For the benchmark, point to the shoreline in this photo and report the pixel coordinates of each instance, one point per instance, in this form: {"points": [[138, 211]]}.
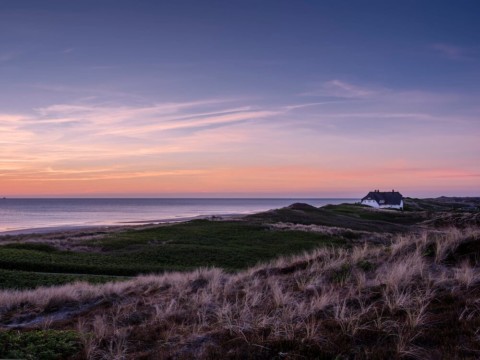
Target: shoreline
{"points": [[122, 212], [58, 229]]}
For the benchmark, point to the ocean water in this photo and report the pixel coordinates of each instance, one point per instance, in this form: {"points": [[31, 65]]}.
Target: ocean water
{"points": [[18, 214]]}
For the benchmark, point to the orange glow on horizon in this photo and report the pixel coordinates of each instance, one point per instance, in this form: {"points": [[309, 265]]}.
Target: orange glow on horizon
{"points": [[248, 180]]}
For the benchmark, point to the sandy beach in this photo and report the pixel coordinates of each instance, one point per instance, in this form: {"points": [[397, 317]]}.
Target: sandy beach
{"points": [[73, 230]]}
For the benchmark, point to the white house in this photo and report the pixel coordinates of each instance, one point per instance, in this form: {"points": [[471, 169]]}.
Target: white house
{"points": [[384, 200]]}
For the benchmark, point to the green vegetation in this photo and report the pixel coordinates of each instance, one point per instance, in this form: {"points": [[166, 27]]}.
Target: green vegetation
{"points": [[41, 345], [366, 265], [231, 245], [351, 216], [449, 204], [341, 275], [13, 279]]}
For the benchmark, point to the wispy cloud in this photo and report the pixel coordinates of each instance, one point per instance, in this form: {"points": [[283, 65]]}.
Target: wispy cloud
{"points": [[178, 124], [370, 111], [454, 52], [119, 112], [62, 141], [341, 89], [307, 105], [228, 144], [68, 175], [135, 120]]}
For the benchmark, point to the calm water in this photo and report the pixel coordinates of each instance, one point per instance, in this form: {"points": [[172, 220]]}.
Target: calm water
{"points": [[16, 214]]}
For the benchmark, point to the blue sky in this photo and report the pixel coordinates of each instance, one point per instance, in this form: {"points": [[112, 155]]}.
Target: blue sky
{"points": [[247, 98]]}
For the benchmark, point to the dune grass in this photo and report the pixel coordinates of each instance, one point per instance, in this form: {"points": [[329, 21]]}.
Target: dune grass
{"points": [[231, 245], [351, 216], [414, 298]]}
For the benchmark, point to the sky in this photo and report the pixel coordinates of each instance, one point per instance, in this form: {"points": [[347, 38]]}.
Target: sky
{"points": [[125, 98]]}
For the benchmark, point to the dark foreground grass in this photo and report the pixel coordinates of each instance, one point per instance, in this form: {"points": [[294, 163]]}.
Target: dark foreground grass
{"points": [[231, 245], [416, 298], [39, 344]]}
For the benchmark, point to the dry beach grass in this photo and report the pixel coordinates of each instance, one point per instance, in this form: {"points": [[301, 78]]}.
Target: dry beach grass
{"points": [[416, 297]]}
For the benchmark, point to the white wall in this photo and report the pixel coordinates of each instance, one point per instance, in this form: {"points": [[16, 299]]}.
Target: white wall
{"points": [[371, 203], [374, 204]]}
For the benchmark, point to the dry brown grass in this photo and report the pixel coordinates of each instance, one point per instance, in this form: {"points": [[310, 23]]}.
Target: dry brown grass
{"points": [[409, 299], [357, 236]]}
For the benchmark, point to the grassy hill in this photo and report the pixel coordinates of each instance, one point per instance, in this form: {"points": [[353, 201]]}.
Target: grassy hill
{"points": [[338, 282], [27, 262], [351, 216]]}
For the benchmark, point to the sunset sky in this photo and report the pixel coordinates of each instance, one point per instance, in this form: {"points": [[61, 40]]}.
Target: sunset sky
{"points": [[239, 98]]}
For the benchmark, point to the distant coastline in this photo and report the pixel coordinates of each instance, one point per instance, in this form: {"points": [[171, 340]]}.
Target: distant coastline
{"points": [[114, 227], [26, 216]]}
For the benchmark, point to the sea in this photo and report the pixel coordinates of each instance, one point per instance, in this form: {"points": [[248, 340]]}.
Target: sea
{"points": [[17, 215]]}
